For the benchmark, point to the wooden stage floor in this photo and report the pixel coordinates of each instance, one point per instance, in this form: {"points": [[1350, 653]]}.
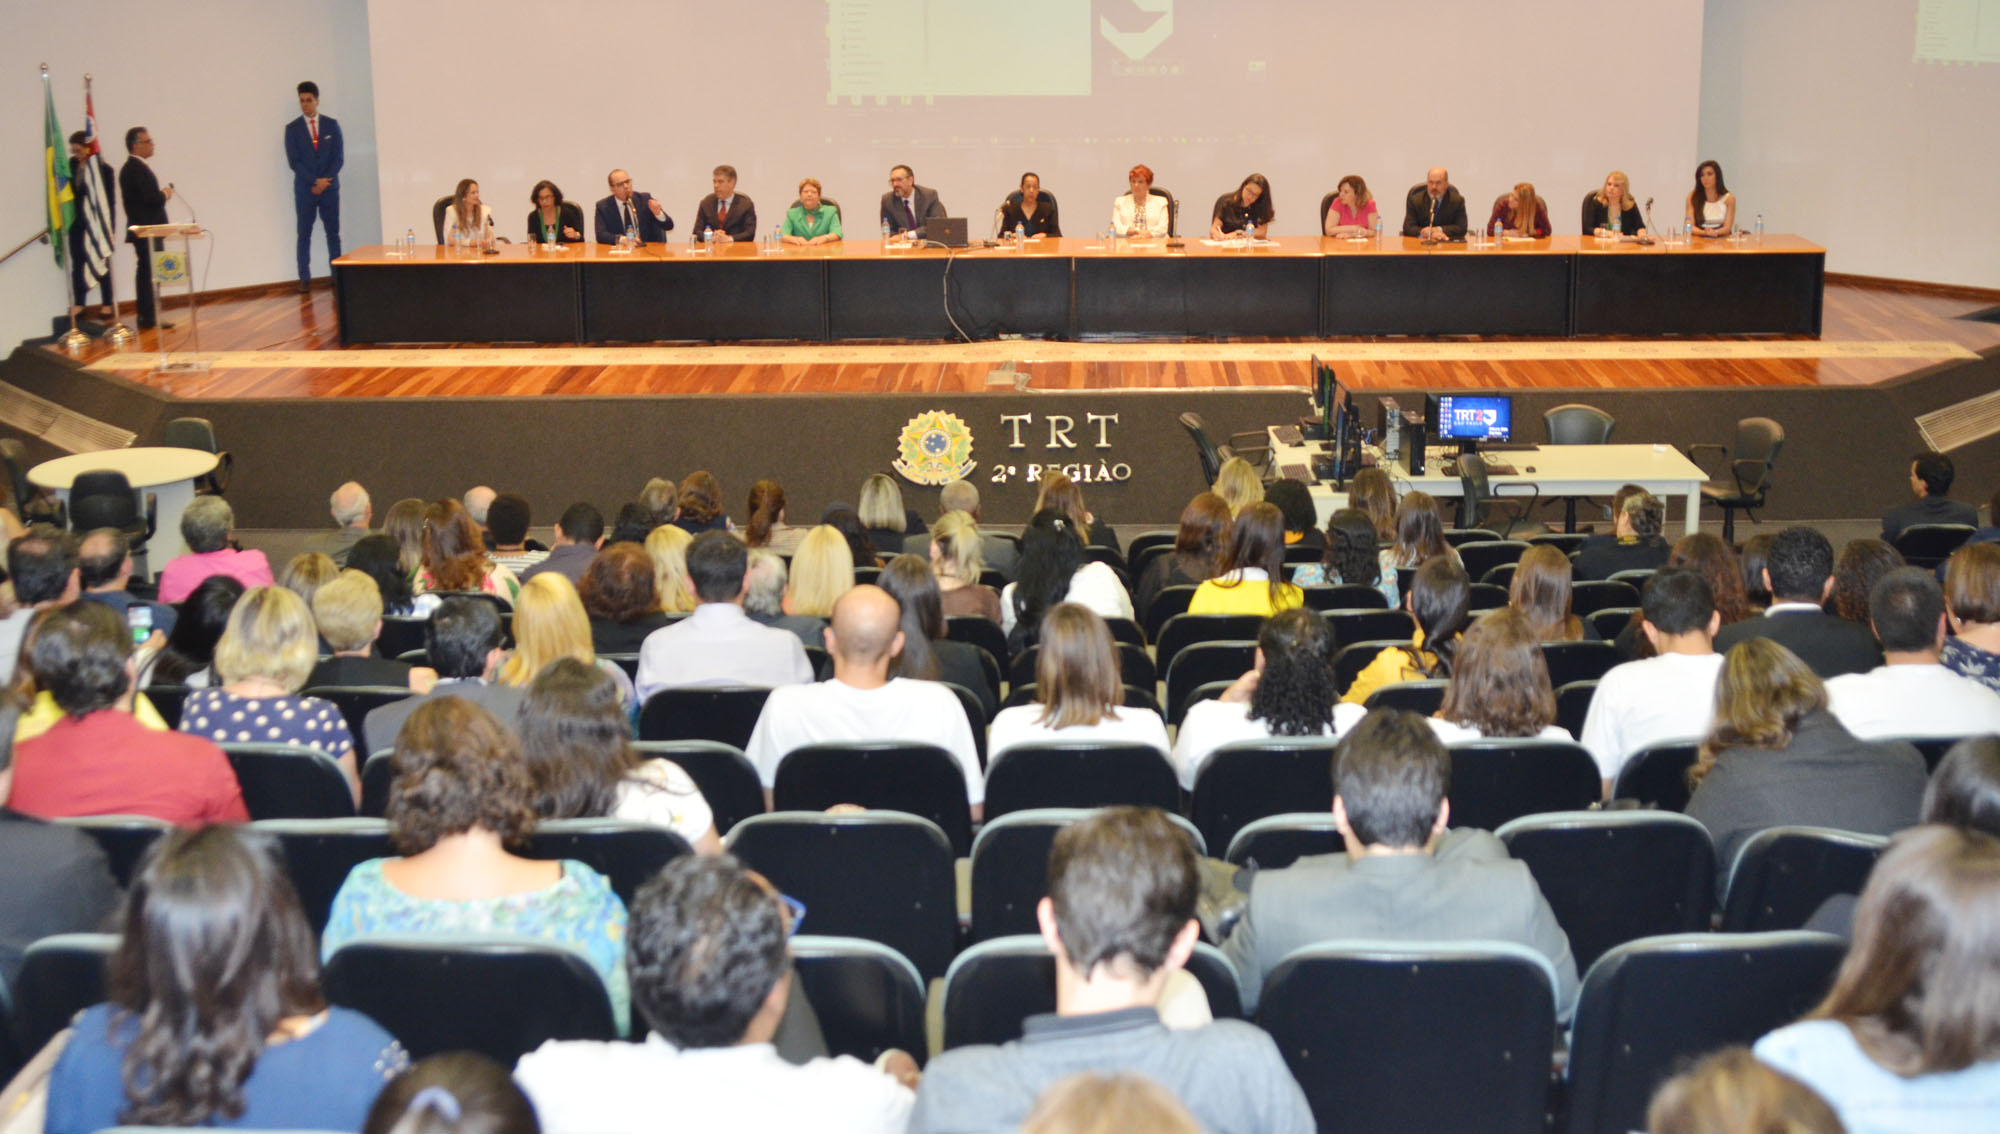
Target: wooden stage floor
{"points": [[276, 343]]}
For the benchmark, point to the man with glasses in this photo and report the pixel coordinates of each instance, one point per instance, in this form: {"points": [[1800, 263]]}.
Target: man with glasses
{"points": [[625, 210]]}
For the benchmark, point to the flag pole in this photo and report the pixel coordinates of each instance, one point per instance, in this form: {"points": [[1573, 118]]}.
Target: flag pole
{"points": [[116, 332], [72, 340]]}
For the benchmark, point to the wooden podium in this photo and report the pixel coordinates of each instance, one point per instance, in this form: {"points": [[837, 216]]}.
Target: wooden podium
{"points": [[149, 233]]}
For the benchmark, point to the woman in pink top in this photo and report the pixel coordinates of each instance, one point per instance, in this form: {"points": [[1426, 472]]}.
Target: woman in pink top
{"points": [[1353, 210]]}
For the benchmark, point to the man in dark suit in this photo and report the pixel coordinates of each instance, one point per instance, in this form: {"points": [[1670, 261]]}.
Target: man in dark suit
{"points": [[908, 206], [1931, 475], [315, 150], [1799, 575], [730, 214], [1435, 210], [463, 641], [625, 209], [107, 182], [145, 203]]}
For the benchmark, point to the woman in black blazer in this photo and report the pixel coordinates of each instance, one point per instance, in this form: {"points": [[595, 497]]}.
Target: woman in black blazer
{"points": [[552, 211], [1029, 208]]}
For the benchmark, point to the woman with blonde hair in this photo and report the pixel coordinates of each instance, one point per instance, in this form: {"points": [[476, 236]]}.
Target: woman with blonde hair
{"points": [[261, 660], [455, 557], [1499, 684], [465, 217], [1091, 1103], [822, 571], [1238, 485], [1730, 1091], [550, 623], [1521, 213], [766, 526], [1541, 593], [307, 573], [955, 558], [1079, 690], [1062, 493], [667, 547], [883, 513], [1612, 199], [404, 523], [1253, 570], [1775, 757]]}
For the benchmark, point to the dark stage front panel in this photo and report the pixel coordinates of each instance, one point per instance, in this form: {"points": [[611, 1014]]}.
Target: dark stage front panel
{"points": [[641, 300], [903, 297], [1697, 293], [462, 301], [1453, 291], [1169, 295]]}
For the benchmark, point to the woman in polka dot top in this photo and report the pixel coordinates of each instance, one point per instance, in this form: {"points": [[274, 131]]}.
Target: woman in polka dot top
{"points": [[262, 660]]}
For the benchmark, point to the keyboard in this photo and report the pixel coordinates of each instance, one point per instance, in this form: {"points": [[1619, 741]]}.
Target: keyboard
{"points": [[1499, 468], [1508, 446], [1299, 473], [1288, 435]]}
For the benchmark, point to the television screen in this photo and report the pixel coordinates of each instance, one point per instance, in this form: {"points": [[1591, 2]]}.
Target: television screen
{"points": [[1475, 418]]}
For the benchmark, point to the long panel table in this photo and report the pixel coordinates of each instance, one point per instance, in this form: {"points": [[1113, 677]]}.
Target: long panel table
{"points": [[1293, 287]]}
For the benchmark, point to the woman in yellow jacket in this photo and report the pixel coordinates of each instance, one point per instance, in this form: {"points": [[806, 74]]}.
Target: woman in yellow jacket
{"points": [[1252, 580], [1439, 599]]}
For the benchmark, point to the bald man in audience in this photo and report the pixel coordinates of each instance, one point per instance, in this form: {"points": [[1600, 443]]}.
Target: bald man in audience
{"points": [[863, 702], [354, 513]]}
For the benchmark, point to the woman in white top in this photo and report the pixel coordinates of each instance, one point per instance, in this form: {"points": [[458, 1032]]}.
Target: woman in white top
{"points": [[1078, 690], [1499, 684], [466, 216], [1711, 208], [1289, 692], [1052, 570], [578, 747], [1139, 213]]}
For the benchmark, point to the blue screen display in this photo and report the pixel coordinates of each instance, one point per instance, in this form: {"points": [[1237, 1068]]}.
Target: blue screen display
{"points": [[1475, 418]]}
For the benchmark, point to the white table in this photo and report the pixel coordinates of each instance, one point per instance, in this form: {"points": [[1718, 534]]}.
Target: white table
{"points": [[169, 474], [1560, 470]]}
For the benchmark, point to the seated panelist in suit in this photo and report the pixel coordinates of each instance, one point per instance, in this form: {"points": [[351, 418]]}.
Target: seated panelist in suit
{"points": [[553, 214], [1435, 210], [812, 220], [1030, 208], [1521, 212], [1248, 208], [730, 214], [626, 210], [908, 206], [1139, 213]]}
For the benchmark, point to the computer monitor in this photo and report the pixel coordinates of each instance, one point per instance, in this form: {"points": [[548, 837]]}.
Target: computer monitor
{"points": [[1472, 418]]}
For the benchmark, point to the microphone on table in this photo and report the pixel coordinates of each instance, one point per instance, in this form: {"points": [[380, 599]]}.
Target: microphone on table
{"points": [[1429, 237], [1648, 238]]}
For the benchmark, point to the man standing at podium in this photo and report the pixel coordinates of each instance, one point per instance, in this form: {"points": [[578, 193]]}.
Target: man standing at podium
{"points": [[313, 148], [145, 203]]}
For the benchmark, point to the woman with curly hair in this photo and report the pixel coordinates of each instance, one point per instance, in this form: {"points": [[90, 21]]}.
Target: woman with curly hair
{"points": [[455, 557], [620, 598], [1499, 684], [1439, 602], [1861, 565], [700, 504], [1288, 692], [1352, 556]]}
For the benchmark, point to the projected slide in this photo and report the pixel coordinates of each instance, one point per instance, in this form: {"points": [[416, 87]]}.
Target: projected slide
{"points": [[950, 48], [1958, 31]]}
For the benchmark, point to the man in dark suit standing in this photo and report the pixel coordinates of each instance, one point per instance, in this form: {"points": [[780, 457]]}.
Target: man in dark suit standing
{"points": [[145, 203], [107, 183], [626, 210], [314, 148], [1799, 575], [908, 206], [1435, 210], [730, 214]]}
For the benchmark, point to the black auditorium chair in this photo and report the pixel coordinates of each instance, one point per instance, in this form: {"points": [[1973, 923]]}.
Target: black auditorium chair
{"points": [[167, 700], [727, 779], [1781, 875], [1493, 780], [1010, 871], [1169, 603], [1611, 621], [1420, 697], [1246, 781], [978, 630], [289, 781], [1927, 545], [1486, 596], [1359, 597], [1200, 664], [726, 714], [400, 634], [1135, 667], [867, 997], [59, 977], [1479, 558], [1355, 656], [921, 779], [994, 986], [319, 853], [1184, 630], [1656, 775], [355, 702], [1617, 876], [124, 839], [1351, 626], [377, 776], [1277, 841], [1459, 537], [1592, 595], [626, 852], [1079, 774], [1573, 705], [1578, 661]]}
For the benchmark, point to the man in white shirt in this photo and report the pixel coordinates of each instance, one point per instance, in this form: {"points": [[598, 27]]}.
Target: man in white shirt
{"points": [[863, 702], [718, 644], [1911, 693], [710, 977], [1667, 697]]}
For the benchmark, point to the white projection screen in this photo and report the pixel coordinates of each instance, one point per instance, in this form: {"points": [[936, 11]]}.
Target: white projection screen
{"points": [[972, 94]]}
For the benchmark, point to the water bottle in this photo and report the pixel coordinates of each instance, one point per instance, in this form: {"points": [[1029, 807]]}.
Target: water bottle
{"points": [[777, 238], [631, 237], [1617, 226], [708, 238], [1021, 237], [1760, 228], [139, 617], [1378, 230], [410, 241], [887, 235], [549, 235], [1499, 232]]}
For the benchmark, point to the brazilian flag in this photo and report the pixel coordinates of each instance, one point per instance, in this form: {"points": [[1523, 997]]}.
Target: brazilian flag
{"points": [[55, 171]]}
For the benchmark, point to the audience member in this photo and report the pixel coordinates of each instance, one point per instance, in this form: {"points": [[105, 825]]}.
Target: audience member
{"points": [[348, 612], [1755, 558], [1799, 575], [463, 640], [1618, 498], [764, 600], [579, 536], [659, 500], [1199, 546], [998, 551], [306, 573], [98, 759], [1636, 543], [699, 504], [1931, 475], [42, 566], [103, 572], [1353, 556], [636, 521], [59, 880], [1090, 1103], [578, 745], [353, 513], [1776, 758], [711, 975], [1860, 564], [1419, 533], [1403, 877], [1057, 490], [378, 557], [883, 513], [549, 623], [1288, 692], [619, 597], [1540, 591], [404, 523], [1373, 492], [1252, 580], [863, 702], [1499, 684], [766, 527], [1707, 554], [188, 658], [460, 795], [455, 557], [1054, 569], [821, 572], [927, 654], [261, 663], [1238, 484], [508, 519], [1301, 516], [1911, 692], [458, 1092], [1120, 919], [718, 644], [667, 547], [477, 501], [957, 555], [1439, 603], [1079, 691], [1972, 599], [1909, 1037], [215, 1016], [1730, 1092], [1668, 696], [860, 543], [206, 527]]}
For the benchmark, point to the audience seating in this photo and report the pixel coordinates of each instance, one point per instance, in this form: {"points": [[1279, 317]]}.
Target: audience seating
{"points": [[1499, 575], [167, 700], [1927, 545], [1184, 630], [124, 839], [1010, 867], [921, 779], [978, 630], [1459, 537], [1479, 558], [1345, 596], [1423, 698], [1079, 774], [1933, 747], [627, 853], [376, 777], [436, 992], [1747, 484], [355, 702], [1592, 595], [1573, 705], [866, 575], [1493, 781], [319, 853], [1485, 596], [867, 997], [1135, 698], [1578, 661], [1637, 576], [1611, 621], [1133, 664], [1351, 626], [1147, 543], [975, 718], [727, 780], [1650, 1007], [60, 976], [1277, 841], [1783, 874], [1168, 604], [628, 662], [1416, 1036], [993, 987], [726, 714], [1617, 876], [818, 658], [287, 781], [1569, 543], [879, 875], [401, 633], [1126, 631], [1355, 656], [1200, 664], [1656, 775]]}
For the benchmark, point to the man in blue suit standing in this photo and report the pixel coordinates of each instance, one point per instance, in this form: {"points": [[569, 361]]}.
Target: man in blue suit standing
{"points": [[314, 148], [625, 209]]}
